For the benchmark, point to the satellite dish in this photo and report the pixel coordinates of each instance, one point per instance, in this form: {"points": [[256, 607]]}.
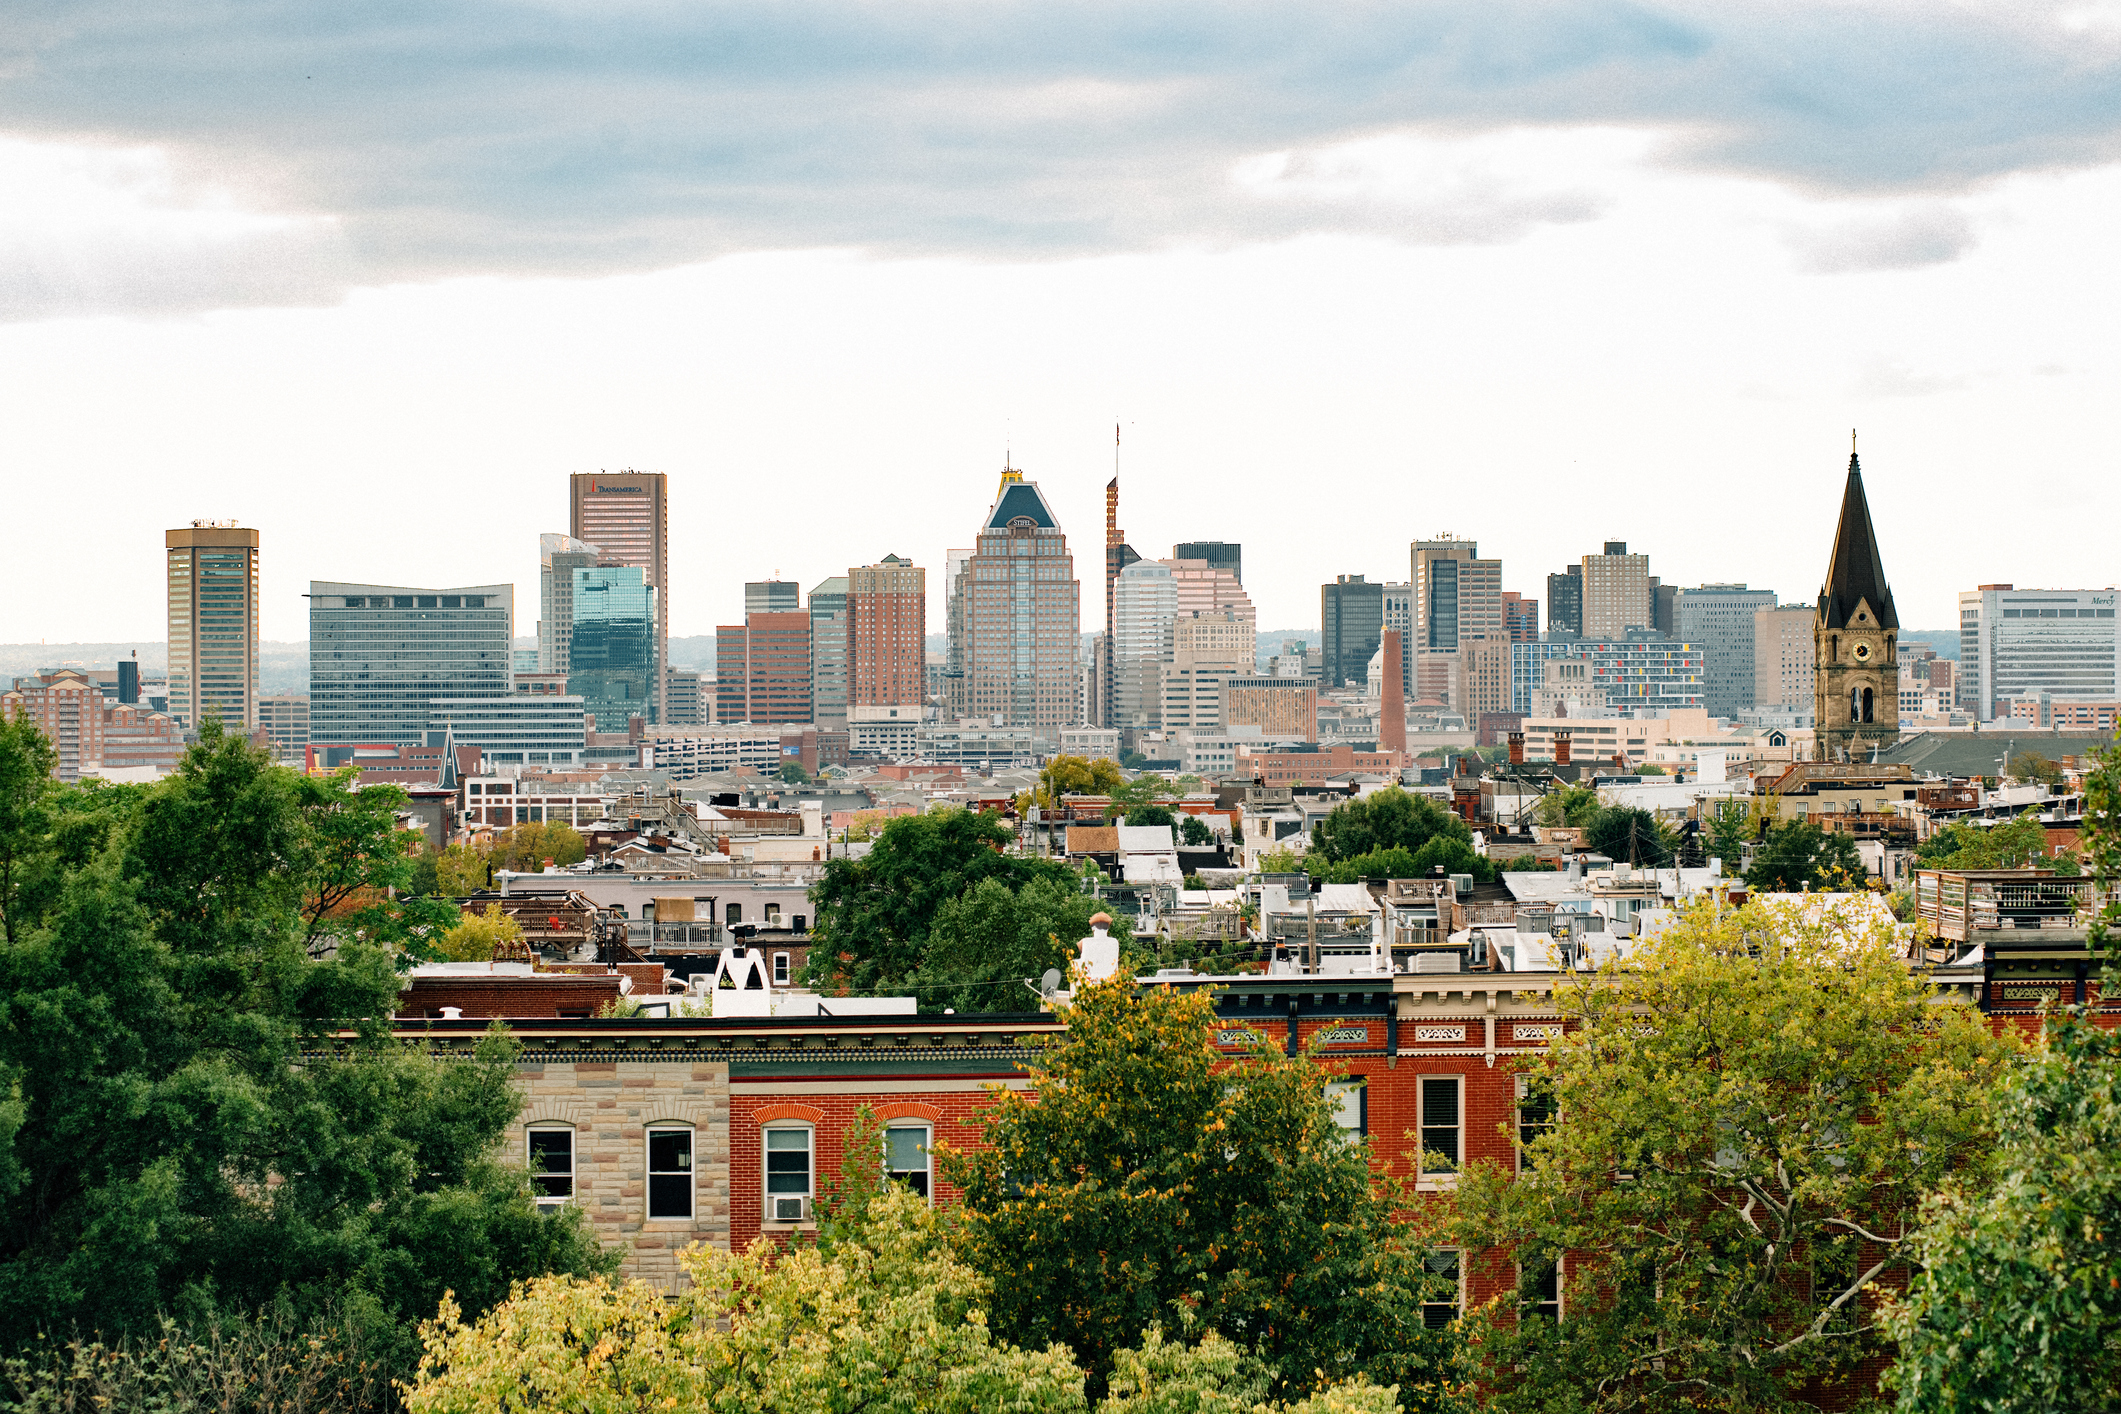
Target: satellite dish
{"points": [[1050, 983]]}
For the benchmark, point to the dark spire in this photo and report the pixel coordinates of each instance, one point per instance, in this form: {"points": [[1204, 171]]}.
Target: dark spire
{"points": [[1857, 571]]}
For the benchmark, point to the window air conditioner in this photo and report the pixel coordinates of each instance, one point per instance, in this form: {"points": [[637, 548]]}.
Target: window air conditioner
{"points": [[790, 1210]]}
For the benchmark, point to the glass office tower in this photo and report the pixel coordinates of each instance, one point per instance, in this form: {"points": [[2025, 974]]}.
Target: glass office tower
{"points": [[378, 654], [612, 663]]}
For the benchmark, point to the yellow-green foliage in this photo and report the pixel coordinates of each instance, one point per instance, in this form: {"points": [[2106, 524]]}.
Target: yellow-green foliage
{"points": [[478, 934]]}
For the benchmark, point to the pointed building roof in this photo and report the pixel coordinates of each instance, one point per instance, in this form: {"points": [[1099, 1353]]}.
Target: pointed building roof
{"points": [[1857, 571], [1018, 497]]}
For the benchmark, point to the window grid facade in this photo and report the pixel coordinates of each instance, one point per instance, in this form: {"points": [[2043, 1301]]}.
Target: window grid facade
{"points": [[1643, 672], [380, 654], [213, 624], [1022, 607], [626, 516], [887, 634]]}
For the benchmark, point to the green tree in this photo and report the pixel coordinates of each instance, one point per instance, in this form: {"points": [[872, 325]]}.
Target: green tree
{"points": [[1077, 775], [527, 846], [874, 914], [361, 866], [1629, 836], [461, 870], [2034, 769], [1750, 1114], [27, 760], [1387, 819], [1730, 830], [987, 941], [2016, 844], [2017, 1306], [476, 935], [1798, 856], [1194, 831], [1152, 815], [1145, 789], [1453, 856], [1154, 1184], [212, 1120], [1570, 806], [793, 773]]}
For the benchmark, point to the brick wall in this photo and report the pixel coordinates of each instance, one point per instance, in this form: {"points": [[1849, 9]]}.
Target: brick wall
{"points": [[546, 997]]}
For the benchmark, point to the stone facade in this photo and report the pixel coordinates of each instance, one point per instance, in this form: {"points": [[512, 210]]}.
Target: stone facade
{"points": [[610, 1101]]}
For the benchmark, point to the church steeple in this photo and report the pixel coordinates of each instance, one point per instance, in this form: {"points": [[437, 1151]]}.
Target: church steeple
{"points": [[1857, 571]]}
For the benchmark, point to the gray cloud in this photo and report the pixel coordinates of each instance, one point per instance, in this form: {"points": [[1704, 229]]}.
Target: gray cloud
{"points": [[456, 136], [1925, 233]]}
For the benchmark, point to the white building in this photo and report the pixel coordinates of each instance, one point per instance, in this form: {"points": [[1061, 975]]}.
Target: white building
{"points": [[2017, 643]]}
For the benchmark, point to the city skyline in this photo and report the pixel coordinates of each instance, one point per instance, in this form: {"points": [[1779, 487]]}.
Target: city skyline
{"points": [[1543, 278]]}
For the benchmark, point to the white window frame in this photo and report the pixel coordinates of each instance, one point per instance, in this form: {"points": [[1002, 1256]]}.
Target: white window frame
{"points": [[1561, 1291], [1448, 1177], [690, 1171], [1458, 1302], [766, 1194], [530, 1161], [927, 1170], [780, 969], [1339, 1092]]}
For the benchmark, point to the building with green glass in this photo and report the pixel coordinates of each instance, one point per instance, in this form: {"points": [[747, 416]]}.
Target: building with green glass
{"points": [[611, 663]]}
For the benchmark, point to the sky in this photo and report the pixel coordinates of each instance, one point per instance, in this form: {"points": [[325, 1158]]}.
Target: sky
{"points": [[374, 279]]}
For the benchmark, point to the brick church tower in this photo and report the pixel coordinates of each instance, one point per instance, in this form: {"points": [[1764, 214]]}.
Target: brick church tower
{"points": [[1855, 656]]}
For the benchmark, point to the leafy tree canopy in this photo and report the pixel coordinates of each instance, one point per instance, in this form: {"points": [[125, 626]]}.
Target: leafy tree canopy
{"points": [[475, 938], [2017, 844], [1387, 819], [1629, 836], [1797, 856], [1453, 856], [874, 914], [1194, 831], [1152, 815], [2018, 1304], [1152, 1185], [987, 941], [178, 1047], [1078, 775], [1570, 806], [793, 773], [1749, 1117]]}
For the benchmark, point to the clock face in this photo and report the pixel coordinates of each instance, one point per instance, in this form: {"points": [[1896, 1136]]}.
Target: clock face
{"points": [[1863, 652]]}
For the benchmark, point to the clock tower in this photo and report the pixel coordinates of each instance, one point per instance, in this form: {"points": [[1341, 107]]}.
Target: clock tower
{"points": [[1855, 655]]}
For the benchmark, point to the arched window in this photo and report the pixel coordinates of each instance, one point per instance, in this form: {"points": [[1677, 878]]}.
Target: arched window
{"points": [[1855, 706], [1866, 704]]}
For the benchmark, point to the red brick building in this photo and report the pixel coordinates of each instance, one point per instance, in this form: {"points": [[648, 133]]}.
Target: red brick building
{"points": [[887, 628]]}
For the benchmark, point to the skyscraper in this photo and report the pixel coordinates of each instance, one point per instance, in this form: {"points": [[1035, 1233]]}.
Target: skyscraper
{"points": [[887, 634], [1104, 680], [1616, 592], [213, 624], [1022, 613], [1721, 618], [772, 596], [626, 515], [2065, 643], [613, 662], [1145, 604], [378, 654], [1455, 592], [1565, 602], [1353, 620], [830, 652], [1856, 706], [559, 556], [1221, 554]]}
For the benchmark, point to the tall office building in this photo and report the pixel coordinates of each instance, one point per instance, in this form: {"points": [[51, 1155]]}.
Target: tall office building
{"points": [[2024, 642], [1208, 649], [831, 653], [1565, 602], [1023, 607], [1722, 619], [626, 515], [1352, 614], [1456, 593], [1520, 617], [1103, 709], [1217, 553], [559, 556], [1782, 658], [1855, 650], [772, 596], [613, 662], [763, 670], [213, 624], [688, 708], [379, 654], [1399, 619], [1616, 592], [887, 634], [1145, 604], [952, 696]]}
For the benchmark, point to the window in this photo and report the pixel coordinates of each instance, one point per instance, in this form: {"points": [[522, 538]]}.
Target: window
{"points": [[1350, 1100], [1440, 1124], [670, 1173], [734, 913], [551, 1165], [1437, 1311], [780, 969], [800, 923], [773, 915], [1539, 1290], [787, 1175], [1535, 1115], [906, 1156]]}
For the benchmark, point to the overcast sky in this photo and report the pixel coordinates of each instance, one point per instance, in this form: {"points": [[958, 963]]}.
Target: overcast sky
{"points": [[375, 278]]}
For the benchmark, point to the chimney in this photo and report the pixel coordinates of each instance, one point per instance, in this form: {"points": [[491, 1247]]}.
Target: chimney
{"points": [[1516, 748], [1391, 701], [1561, 748]]}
